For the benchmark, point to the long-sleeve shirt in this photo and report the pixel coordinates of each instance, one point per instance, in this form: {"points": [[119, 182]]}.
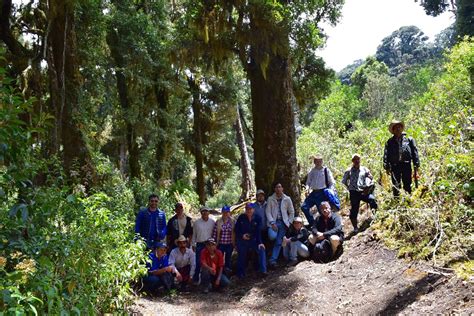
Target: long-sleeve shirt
{"points": [[151, 225], [223, 232], [252, 227], [356, 179], [332, 226], [297, 235], [316, 179], [401, 150], [260, 209], [157, 263], [202, 230], [180, 260]]}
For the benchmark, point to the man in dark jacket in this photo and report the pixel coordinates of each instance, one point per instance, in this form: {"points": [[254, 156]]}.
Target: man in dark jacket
{"points": [[327, 234], [178, 225], [150, 223], [399, 152], [295, 242]]}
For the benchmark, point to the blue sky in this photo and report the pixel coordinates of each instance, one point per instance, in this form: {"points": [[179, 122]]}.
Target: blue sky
{"points": [[365, 23]]}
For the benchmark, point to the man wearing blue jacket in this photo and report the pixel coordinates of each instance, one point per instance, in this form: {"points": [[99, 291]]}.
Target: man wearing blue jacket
{"points": [[150, 223], [248, 238]]}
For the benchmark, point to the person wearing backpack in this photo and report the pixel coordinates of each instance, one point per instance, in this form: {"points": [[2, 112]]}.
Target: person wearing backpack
{"points": [[359, 181], [319, 179], [399, 153]]}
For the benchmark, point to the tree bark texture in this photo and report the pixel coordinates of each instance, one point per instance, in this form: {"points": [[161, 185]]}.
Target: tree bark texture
{"points": [[113, 41], [274, 129], [245, 167], [65, 84], [198, 139], [162, 151]]}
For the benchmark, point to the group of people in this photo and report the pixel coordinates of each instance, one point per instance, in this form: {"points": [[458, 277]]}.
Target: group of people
{"points": [[200, 252]]}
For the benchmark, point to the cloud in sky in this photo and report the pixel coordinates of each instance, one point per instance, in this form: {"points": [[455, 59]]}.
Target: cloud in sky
{"points": [[365, 23]]}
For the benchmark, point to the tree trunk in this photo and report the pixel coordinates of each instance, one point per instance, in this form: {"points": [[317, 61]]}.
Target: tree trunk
{"points": [[113, 41], [65, 84], [274, 126], [162, 151], [465, 18], [247, 181], [198, 140]]}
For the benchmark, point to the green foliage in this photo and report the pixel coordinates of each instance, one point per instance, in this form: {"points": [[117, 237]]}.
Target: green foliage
{"points": [[436, 221]]}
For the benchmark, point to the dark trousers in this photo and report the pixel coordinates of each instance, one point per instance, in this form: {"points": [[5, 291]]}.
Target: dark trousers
{"points": [[243, 249], [356, 197], [199, 247], [314, 198], [227, 250], [151, 283], [185, 273], [401, 173], [207, 278]]}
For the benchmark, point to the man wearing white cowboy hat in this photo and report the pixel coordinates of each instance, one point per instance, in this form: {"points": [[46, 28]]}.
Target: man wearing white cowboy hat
{"points": [[184, 260], [399, 152]]}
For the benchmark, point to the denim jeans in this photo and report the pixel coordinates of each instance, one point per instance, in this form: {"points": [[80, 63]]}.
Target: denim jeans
{"points": [[278, 240], [243, 248], [356, 197], [199, 247], [314, 198], [227, 250], [294, 249], [153, 282], [207, 278]]}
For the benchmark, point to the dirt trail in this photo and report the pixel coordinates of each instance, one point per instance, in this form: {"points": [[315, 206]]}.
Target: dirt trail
{"points": [[366, 279]]}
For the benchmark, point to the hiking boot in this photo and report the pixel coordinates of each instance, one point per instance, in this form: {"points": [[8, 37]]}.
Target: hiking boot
{"points": [[262, 274], [292, 263], [355, 231], [272, 265], [206, 290]]}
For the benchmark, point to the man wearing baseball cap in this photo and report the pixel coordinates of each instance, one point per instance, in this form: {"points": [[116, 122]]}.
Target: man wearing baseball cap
{"points": [[400, 151], [212, 262], [202, 231], [179, 224], [248, 238], [159, 270], [295, 242]]}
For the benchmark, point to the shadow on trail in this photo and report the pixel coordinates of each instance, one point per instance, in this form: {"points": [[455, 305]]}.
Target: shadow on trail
{"points": [[410, 294]]}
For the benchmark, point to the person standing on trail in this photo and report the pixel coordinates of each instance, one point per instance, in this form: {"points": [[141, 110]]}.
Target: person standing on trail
{"points": [[280, 213], [359, 181], [150, 223], [319, 178], [178, 225], [399, 153], [260, 209], [295, 242], [160, 272], [212, 262], [224, 235], [202, 231], [248, 238], [184, 260], [327, 234]]}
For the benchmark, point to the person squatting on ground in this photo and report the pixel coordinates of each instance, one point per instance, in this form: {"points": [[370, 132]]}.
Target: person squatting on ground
{"points": [[160, 271], [150, 223], [359, 181], [224, 235], [295, 242], [399, 153], [248, 238], [280, 214], [202, 231], [319, 178], [327, 234], [184, 261], [212, 263], [178, 225]]}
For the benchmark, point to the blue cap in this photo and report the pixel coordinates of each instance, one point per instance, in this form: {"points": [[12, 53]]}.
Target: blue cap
{"points": [[250, 205], [225, 208], [159, 245]]}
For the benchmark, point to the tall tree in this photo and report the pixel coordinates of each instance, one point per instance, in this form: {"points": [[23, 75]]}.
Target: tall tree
{"points": [[245, 167], [259, 33]]}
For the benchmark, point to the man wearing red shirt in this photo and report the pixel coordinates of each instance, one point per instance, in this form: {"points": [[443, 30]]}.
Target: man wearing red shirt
{"points": [[212, 265]]}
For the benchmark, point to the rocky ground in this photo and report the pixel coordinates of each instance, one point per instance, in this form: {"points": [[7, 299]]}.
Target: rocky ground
{"points": [[366, 279]]}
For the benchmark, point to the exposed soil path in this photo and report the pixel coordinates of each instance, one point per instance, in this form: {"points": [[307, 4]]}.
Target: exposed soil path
{"points": [[366, 279]]}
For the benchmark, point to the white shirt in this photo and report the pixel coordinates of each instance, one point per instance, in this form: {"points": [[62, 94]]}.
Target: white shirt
{"points": [[179, 260], [316, 179], [202, 230]]}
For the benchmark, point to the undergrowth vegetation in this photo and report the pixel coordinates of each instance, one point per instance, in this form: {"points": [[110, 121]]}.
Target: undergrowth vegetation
{"points": [[437, 221]]}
